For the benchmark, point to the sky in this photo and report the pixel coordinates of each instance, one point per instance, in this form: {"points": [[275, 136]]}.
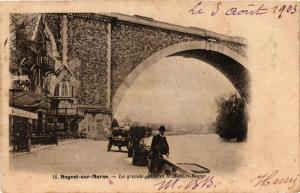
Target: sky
{"points": [[176, 91]]}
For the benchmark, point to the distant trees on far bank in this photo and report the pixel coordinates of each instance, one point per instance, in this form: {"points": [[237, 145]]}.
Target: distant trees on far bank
{"points": [[232, 119]]}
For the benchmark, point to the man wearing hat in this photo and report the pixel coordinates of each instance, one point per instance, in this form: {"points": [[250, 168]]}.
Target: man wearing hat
{"points": [[159, 147]]}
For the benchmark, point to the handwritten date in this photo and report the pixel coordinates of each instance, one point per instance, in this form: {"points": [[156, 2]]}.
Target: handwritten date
{"points": [[250, 9]]}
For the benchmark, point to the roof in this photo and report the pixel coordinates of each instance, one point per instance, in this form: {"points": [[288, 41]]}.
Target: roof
{"points": [[62, 67], [27, 99]]}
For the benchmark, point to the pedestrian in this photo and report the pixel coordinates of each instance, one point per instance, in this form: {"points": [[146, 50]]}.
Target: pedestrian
{"points": [[15, 141], [159, 147]]}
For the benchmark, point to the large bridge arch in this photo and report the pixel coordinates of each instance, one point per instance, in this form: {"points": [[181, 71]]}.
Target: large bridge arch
{"points": [[227, 61]]}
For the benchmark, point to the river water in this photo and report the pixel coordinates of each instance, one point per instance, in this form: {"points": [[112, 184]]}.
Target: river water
{"points": [[207, 150]]}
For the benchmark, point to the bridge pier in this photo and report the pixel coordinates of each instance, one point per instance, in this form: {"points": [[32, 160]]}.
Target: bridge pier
{"points": [[96, 122]]}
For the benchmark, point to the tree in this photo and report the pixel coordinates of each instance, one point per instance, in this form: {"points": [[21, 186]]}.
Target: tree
{"points": [[22, 27], [231, 121]]}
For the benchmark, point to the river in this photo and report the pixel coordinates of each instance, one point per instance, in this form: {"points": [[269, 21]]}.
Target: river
{"points": [[207, 150]]}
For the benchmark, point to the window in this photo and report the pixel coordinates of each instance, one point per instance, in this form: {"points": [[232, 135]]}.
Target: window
{"points": [[56, 90], [64, 90]]}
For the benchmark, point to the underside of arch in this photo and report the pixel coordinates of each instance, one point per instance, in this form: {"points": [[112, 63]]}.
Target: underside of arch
{"points": [[228, 62]]}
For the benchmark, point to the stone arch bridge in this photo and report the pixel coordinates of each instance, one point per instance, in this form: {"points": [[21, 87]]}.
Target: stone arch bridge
{"points": [[107, 52]]}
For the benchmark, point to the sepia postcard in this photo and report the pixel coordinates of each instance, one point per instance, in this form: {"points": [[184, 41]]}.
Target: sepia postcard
{"points": [[149, 96]]}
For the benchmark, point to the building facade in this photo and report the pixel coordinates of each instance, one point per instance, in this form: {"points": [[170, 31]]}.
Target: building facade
{"points": [[40, 95], [32, 64], [64, 116], [42, 98]]}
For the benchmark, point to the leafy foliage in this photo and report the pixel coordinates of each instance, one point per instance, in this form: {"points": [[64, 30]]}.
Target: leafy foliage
{"points": [[232, 118]]}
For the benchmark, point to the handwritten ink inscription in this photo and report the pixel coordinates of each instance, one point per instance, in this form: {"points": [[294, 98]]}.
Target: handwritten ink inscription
{"points": [[206, 182], [251, 9], [274, 178]]}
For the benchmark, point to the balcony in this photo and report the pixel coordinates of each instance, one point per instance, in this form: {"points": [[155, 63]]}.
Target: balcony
{"points": [[67, 112]]}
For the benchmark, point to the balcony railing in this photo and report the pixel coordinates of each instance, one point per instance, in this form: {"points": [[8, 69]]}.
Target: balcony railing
{"points": [[67, 111]]}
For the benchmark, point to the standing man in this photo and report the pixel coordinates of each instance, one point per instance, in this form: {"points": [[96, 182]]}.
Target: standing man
{"points": [[159, 147]]}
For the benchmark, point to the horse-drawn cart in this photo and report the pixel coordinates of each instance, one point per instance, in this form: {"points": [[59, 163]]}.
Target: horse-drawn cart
{"points": [[118, 137]]}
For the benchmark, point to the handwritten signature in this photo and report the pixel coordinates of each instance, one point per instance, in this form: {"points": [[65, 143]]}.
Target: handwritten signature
{"points": [[195, 183], [250, 9], [273, 178]]}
